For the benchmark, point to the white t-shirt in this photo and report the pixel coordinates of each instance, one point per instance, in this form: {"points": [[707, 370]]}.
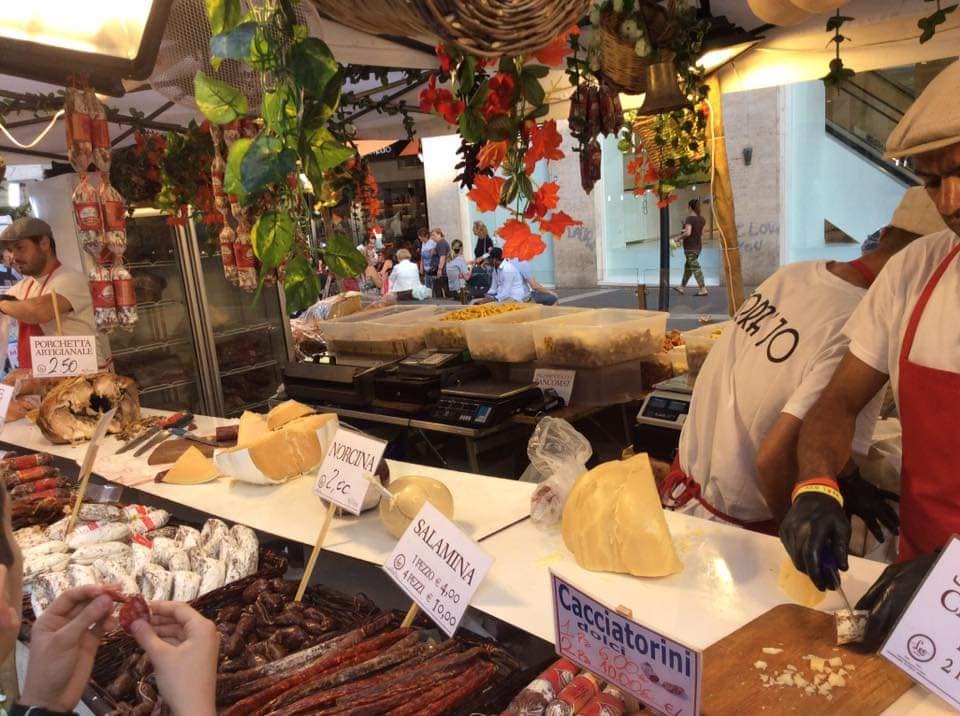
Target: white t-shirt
{"points": [[776, 357], [73, 286], [877, 327], [404, 277], [507, 283]]}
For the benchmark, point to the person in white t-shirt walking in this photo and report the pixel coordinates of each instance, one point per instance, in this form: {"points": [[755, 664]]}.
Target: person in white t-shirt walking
{"points": [[738, 444], [30, 300], [907, 329]]}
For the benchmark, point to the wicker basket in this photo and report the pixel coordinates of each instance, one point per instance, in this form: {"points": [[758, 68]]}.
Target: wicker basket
{"points": [[618, 57], [646, 128], [377, 17]]}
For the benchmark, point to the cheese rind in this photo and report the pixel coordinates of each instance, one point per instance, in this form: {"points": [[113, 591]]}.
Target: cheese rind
{"points": [[409, 495], [191, 468], [286, 412], [252, 426], [278, 455], [797, 585]]}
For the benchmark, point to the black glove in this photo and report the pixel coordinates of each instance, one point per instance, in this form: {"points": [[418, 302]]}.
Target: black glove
{"points": [[889, 596], [869, 502], [816, 523]]}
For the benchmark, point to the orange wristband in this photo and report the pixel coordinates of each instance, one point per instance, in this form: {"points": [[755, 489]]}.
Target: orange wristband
{"points": [[822, 485]]}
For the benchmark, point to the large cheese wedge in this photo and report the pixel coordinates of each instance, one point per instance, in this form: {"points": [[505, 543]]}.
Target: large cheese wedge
{"points": [[252, 426], [409, 495], [285, 412], [613, 521], [797, 585], [323, 425], [277, 456], [191, 468]]}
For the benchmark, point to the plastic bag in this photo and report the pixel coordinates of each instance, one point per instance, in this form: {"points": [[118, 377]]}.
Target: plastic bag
{"points": [[558, 456], [421, 292]]}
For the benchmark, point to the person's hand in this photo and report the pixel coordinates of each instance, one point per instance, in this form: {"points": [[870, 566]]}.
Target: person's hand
{"points": [[183, 648], [63, 644], [869, 502], [889, 596], [814, 524]]}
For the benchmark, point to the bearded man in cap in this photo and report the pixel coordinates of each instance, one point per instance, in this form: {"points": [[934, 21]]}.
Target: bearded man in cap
{"points": [[30, 301], [906, 330], [738, 445]]}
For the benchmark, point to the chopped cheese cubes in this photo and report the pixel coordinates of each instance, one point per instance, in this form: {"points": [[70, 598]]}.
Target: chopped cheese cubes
{"points": [[772, 650], [826, 674], [760, 665]]}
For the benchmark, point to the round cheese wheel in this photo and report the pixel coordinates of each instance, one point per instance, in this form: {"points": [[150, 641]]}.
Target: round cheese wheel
{"points": [[819, 5], [778, 12], [409, 495]]}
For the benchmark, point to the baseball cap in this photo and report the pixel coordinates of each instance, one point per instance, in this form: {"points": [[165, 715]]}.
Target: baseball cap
{"points": [[26, 227]]}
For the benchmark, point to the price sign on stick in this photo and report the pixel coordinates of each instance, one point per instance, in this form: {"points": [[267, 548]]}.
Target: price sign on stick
{"points": [[560, 380], [87, 467], [438, 566], [924, 642], [661, 672], [342, 476], [63, 356]]}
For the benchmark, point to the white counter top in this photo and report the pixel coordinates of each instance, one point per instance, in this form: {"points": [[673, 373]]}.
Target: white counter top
{"points": [[729, 575]]}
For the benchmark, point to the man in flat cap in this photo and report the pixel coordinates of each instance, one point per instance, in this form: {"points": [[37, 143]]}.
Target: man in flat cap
{"points": [[738, 447], [30, 301], [906, 330]]}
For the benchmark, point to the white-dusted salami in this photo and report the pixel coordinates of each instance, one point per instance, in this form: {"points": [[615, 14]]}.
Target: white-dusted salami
{"points": [[213, 574], [79, 126], [125, 297], [97, 512], [163, 549], [99, 130], [178, 561], [212, 535], [31, 536], [244, 536], [95, 532], [44, 563], [104, 301], [156, 583], [111, 571], [152, 517], [90, 553], [80, 575], [48, 547], [142, 556], [46, 588], [186, 586], [187, 537], [87, 218]]}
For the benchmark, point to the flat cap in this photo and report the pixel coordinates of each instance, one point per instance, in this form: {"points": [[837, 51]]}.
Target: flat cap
{"points": [[918, 214], [933, 120], [26, 227]]}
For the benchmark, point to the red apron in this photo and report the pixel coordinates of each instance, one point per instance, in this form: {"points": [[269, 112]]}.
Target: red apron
{"points": [[25, 331], [929, 402]]}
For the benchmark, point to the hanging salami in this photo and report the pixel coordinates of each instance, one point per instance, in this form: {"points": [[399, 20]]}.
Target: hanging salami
{"points": [[244, 258], [227, 239], [79, 130], [104, 305], [99, 130], [126, 297], [87, 217], [114, 211]]}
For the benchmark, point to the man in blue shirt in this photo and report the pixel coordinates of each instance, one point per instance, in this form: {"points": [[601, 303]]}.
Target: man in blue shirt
{"points": [[507, 283], [537, 292]]}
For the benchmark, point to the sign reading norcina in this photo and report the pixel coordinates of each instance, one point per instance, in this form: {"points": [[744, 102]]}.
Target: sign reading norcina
{"points": [[659, 671]]}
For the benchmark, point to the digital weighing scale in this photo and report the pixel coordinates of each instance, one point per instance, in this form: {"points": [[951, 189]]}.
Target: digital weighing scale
{"points": [[418, 379], [346, 381], [661, 418], [483, 404]]}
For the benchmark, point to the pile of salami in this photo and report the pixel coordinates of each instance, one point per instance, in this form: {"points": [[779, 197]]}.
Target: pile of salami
{"points": [[99, 215], [37, 490], [561, 691], [133, 547]]}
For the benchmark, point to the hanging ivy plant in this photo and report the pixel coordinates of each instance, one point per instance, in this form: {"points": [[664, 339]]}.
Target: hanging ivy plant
{"points": [[928, 25], [838, 74], [302, 89]]}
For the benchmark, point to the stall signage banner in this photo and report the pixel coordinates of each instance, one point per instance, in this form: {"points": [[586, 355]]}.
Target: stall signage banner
{"points": [[6, 395], [659, 671], [560, 380], [63, 356], [924, 642], [438, 566], [340, 479]]}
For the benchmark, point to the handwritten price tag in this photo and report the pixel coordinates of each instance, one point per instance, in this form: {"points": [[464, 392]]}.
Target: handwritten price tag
{"points": [[560, 380], [438, 566], [661, 672], [341, 477], [63, 356], [924, 642]]}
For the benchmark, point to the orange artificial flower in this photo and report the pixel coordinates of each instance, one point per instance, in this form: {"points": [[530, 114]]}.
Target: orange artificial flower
{"points": [[492, 154], [558, 223], [521, 243], [544, 199], [545, 143], [486, 192]]}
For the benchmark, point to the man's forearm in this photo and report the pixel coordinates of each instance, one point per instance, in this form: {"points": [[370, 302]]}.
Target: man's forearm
{"points": [[31, 310], [825, 439]]}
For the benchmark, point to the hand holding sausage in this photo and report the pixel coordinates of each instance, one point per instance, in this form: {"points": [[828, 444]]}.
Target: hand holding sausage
{"points": [[183, 647], [63, 644]]}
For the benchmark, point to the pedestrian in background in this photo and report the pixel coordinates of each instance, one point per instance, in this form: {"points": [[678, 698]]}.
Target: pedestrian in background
{"points": [[692, 246]]}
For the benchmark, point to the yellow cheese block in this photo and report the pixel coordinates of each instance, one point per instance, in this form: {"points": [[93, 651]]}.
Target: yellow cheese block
{"points": [[252, 426], [191, 468], [613, 521], [285, 412], [797, 585]]}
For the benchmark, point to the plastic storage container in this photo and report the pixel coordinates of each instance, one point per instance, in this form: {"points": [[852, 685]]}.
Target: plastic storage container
{"points": [[698, 343], [598, 338], [508, 338], [393, 332], [595, 387], [446, 333]]}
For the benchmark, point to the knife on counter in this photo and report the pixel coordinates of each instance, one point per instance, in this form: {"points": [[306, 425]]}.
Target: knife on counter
{"points": [[167, 422], [164, 432], [829, 562]]}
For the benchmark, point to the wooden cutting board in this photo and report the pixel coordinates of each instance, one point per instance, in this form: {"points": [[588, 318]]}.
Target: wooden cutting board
{"points": [[732, 685], [170, 450]]}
